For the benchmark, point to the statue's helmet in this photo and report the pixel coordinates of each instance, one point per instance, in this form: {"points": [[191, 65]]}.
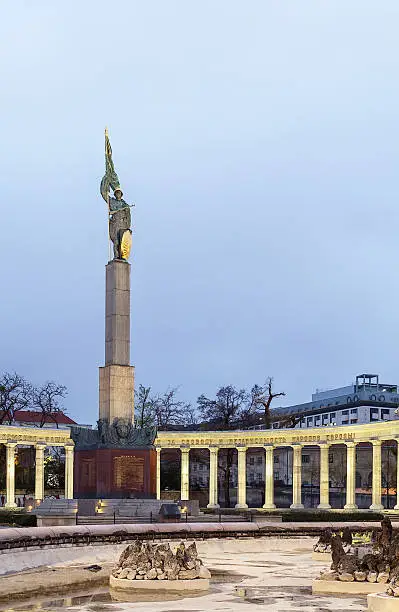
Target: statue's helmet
{"points": [[118, 189]]}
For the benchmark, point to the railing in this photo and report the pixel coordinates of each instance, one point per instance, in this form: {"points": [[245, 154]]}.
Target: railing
{"points": [[116, 519]]}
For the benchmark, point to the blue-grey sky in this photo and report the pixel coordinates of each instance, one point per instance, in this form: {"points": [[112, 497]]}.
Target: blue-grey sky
{"points": [[259, 141]]}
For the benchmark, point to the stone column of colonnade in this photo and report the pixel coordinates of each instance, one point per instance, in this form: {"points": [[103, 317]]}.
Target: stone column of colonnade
{"points": [[69, 471], [10, 475], [324, 477], [39, 471], [350, 476], [376, 482], [241, 478], [213, 477], [269, 477], [158, 472], [185, 473], [297, 477]]}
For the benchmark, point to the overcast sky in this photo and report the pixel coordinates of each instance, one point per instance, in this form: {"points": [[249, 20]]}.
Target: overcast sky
{"points": [[259, 142]]}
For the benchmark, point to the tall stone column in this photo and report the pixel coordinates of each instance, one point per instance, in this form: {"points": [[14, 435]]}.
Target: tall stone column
{"points": [[350, 476], [297, 477], [158, 474], [324, 477], [10, 477], [376, 486], [213, 477], [117, 376], [39, 471], [185, 474], [69, 472], [242, 478], [269, 477]]}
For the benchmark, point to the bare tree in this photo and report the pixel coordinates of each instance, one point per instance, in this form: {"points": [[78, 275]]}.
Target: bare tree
{"points": [[47, 401], [15, 395], [265, 397], [169, 411], [144, 407]]}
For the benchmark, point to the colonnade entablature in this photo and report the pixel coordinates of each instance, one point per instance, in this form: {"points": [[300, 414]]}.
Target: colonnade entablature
{"points": [[40, 439], [323, 437]]}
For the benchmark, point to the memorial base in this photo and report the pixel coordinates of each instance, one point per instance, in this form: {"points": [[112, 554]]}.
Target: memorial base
{"points": [[112, 473]]}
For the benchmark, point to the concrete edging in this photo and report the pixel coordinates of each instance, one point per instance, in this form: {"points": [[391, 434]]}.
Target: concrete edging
{"points": [[378, 602], [199, 584], [353, 588]]}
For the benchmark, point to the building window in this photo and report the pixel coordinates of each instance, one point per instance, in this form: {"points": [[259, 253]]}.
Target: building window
{"points": [[325, 418], [276, 459], [317, 419], [345, 422], [345, 413], [353, 421], [385, 413], [259, 460], [354, 411], [309, 421], [374, 414], [305, 458], [332, 416], [252, 461], [276, 475], [275, 425]]}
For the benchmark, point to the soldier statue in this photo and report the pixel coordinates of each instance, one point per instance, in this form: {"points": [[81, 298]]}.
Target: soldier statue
{"points": [[118, 210]]}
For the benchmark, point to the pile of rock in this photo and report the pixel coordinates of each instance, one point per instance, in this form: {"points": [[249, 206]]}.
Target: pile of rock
{"points": [[145, 561], [378, 563], [324, 542]]}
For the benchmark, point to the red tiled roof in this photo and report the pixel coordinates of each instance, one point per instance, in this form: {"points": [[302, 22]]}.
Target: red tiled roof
{"points": [[31, 416]]}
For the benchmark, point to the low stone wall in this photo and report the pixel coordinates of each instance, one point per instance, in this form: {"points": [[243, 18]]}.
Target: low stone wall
{"points": [[79, 535]]}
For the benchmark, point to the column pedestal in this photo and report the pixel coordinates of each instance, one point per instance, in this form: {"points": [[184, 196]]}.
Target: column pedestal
{"points": [[297, 477], [213, 478], [269, 478], [350, 476], [324, 478], [117, 376], [242, 478]]}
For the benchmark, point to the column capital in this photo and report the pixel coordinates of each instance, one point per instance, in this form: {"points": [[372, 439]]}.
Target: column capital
{"points": [[350, 444], [158, 449], [242, 448], [11, 443], [296, 445], [185, 449], [269, 446], [69, 448], [375, 441], [324, 444], [40, 445], [213, 449]]}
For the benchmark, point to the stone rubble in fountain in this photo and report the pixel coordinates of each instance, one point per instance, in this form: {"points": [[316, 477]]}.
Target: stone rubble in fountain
{"points": [[377, 561], [145, 561]]}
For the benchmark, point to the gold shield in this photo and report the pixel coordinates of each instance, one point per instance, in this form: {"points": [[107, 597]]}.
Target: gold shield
{"points": [[126, 244]]}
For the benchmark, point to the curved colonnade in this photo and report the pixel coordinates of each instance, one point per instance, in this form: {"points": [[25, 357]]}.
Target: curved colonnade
{"points": [[269, 440], [40, 439]]}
